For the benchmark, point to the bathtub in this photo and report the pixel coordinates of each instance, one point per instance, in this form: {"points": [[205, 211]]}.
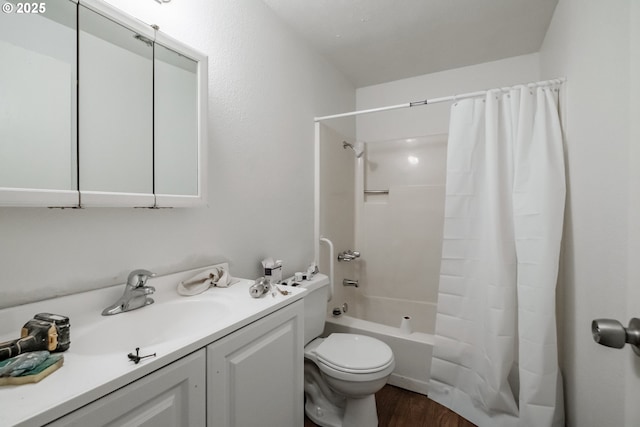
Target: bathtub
{"points": [[412, 351]]}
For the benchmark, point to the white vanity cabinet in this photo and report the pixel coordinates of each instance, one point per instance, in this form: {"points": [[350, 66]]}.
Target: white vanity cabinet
{"points": [[250, 377], [255, 375], [172, 396]]}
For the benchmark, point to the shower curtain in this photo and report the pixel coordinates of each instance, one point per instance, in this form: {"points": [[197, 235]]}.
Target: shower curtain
{"points": [[495, 360]]}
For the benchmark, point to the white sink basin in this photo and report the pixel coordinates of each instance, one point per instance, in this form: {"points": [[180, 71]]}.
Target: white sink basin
{"points": [[146, 327], [96, 363]]}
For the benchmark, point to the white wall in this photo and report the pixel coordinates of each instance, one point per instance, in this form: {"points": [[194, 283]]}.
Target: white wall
{"points": [[589, 43], [632, 364], [265, 87]]}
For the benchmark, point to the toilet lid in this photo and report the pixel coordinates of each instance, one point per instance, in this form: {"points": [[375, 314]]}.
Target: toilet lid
{"points": [[354, 353]]}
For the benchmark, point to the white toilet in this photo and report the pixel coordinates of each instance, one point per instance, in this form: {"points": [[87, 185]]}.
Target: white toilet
{"points": [[342, 372]]}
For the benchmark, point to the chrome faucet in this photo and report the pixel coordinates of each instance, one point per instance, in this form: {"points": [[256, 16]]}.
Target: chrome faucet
{"points": [[135, 293], [348, 255]]}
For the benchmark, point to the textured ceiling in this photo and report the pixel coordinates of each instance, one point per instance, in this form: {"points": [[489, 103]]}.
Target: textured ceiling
{"points": [[376, 41]]}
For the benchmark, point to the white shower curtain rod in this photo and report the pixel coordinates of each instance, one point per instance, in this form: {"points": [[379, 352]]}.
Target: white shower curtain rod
{"points": [[437, 100]]}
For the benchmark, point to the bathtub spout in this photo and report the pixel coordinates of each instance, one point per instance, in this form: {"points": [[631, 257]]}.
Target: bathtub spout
{"points": [[349, 282]]}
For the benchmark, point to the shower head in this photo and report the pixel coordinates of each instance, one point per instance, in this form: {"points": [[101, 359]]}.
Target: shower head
{"points": [[358, 148]]}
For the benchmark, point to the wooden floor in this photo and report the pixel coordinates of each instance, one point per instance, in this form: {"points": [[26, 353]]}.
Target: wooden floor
{"points": [[402, 408]]}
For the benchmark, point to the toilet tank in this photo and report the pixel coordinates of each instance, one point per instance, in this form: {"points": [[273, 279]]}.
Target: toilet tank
{"points": [[315, 306]]}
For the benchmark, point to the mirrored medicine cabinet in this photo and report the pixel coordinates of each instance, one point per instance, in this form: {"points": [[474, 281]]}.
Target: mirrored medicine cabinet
{"points": [[99, 109]]}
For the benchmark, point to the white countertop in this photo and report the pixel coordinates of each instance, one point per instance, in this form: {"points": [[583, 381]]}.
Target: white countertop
{"points": [[90, 372]]}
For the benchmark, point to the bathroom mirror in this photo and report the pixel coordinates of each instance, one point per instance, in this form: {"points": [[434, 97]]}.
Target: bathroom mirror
{"points": [[177, 134], [38, 110], [98, 109], [115, 110]]}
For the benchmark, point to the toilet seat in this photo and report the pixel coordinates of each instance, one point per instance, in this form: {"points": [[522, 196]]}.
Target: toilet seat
{"points": [[354, 354]]}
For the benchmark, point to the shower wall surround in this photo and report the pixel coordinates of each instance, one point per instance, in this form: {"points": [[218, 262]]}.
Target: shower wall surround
{"points": [[400, 233], [337, 210]]}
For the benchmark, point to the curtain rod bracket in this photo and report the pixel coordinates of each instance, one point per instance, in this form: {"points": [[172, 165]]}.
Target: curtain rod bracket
{"points": [[418, 103]]}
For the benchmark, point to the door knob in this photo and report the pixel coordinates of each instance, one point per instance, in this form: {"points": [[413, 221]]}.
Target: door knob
{"points": [[611, 333]]}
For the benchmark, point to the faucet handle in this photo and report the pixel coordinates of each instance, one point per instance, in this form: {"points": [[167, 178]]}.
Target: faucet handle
{"points": [[138, 278], [348, 255]]}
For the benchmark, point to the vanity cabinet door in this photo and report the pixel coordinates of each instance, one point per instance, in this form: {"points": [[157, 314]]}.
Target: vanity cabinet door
{"points": [[255, 375], [172, 396]]}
